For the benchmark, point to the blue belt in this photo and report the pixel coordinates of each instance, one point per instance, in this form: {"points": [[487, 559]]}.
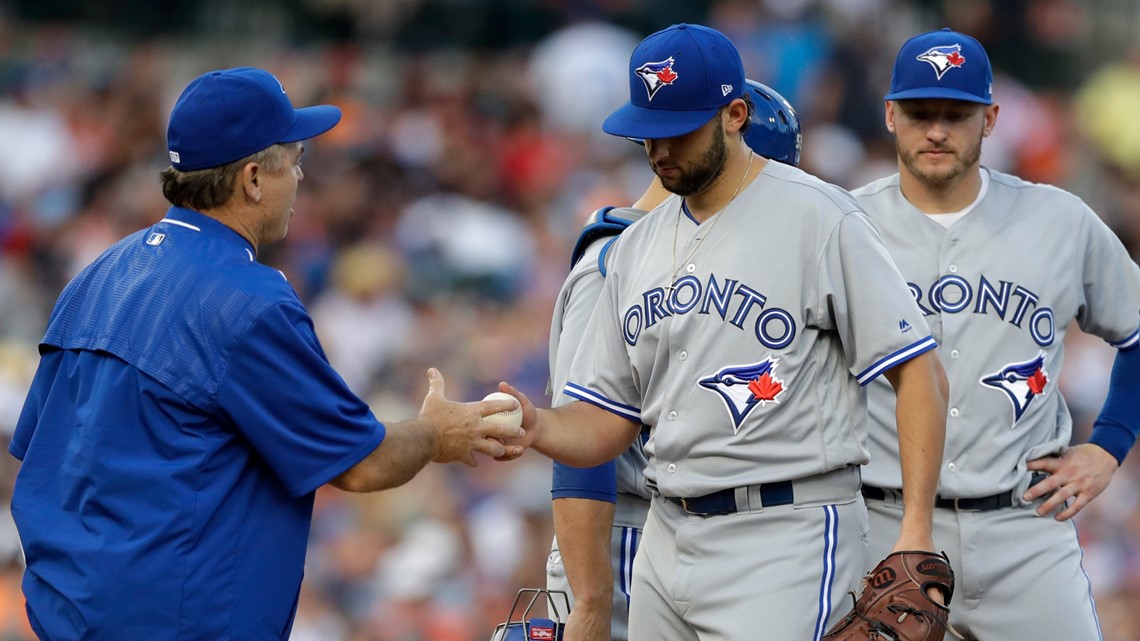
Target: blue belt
{"points": [[724, 501], [976, 504]]}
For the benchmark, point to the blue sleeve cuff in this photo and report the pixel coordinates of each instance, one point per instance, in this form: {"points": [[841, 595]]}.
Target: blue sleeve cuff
{"points": [[1118, 424], [598, 483], [1116, 439]]}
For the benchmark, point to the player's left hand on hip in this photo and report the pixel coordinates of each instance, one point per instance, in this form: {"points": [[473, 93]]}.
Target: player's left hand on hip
{"points": [[1079, 473]]}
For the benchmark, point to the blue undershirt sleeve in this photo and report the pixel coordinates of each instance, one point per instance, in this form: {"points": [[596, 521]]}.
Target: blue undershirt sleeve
{"points": [[1118, 424], [598, 483]]}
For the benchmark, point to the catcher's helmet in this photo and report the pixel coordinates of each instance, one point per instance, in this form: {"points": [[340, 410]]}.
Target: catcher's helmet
{"points": [[774, 129]]}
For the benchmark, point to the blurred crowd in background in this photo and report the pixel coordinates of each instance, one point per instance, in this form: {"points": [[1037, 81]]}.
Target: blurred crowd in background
{"points": [[434, 225]]}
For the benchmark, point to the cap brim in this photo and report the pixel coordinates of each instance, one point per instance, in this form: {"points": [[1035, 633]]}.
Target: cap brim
{"points": [[312, 122], [631, 121], [937, 93]]}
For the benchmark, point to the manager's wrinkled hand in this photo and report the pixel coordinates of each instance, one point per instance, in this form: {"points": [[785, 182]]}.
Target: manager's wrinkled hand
{"points": [[460, 429]]}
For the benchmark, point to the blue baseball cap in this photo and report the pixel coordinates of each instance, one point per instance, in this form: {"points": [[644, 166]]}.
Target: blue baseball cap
{"points": [[942, 64], [678, 79], [226, 115]]}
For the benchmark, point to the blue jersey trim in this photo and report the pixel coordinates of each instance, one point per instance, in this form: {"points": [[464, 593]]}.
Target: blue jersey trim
{"points": [[890, 360], [629, 545], [1127, 343], [593, 398], [830, 534]]}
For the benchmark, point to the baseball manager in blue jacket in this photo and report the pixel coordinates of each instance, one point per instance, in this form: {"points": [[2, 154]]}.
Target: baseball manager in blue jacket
{"points": [[184, 414]]}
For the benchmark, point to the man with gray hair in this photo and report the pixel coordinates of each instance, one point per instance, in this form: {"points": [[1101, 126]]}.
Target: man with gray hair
{"points": [[184, 413]]}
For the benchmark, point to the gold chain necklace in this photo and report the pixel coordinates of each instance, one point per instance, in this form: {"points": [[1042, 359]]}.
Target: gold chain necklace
{"points": [[716, 216]]}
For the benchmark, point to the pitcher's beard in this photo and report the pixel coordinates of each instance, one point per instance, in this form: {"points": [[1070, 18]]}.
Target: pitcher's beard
{"points": [[702, 174]]}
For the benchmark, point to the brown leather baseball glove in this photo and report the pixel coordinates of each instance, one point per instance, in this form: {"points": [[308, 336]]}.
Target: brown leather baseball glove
{"points": [[894, 605]]}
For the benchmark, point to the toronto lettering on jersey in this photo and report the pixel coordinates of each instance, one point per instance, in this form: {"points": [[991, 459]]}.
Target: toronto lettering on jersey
{"points": [[1012, 303], [728, 298]]}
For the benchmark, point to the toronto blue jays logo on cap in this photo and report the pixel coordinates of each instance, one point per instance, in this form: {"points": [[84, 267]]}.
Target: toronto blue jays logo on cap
{"points": [[743, 387], [944, 58], [656, 75], [943, 50], [1022, 382]]}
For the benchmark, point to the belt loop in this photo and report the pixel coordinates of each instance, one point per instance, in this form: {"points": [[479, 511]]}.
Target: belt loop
{"points": [[743, 500]]}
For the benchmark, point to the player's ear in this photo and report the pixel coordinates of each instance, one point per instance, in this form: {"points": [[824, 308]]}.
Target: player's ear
{"points": [[889, 115], [991, 115], [735, 115]]}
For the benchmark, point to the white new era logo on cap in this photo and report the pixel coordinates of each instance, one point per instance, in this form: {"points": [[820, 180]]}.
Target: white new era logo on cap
{"points": [[174, 157], [725, 90]]}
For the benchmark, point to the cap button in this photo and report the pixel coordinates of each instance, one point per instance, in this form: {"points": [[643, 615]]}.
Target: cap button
{"points": [[682, 26], [947, 29]]}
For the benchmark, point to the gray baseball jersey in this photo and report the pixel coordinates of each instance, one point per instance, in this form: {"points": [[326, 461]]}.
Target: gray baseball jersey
{"points": [[743, 345], [999, 288], [745, 350], [572, 310]]}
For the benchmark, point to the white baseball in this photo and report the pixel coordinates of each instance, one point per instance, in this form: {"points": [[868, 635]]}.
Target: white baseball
{"points": [[511, 417]]}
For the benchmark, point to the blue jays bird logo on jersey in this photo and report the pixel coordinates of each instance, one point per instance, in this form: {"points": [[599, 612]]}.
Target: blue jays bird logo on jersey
{"points": [[743, 387], [656, 75], [944, 58], [1022, 382]]}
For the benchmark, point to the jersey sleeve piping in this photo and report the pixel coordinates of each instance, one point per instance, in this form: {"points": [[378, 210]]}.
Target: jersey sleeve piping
{"points": [[895, 358], [1128, 343], [625, 411]]}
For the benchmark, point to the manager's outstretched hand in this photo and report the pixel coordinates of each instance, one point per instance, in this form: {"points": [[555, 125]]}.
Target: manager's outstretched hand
{"points": [[443, 432], [459, 428]]}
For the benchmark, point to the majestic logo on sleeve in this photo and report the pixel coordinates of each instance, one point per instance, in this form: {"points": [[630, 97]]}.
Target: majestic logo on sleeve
{"points": [[743, 387], [944, 59], [656, 75], [1022, 382]]}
